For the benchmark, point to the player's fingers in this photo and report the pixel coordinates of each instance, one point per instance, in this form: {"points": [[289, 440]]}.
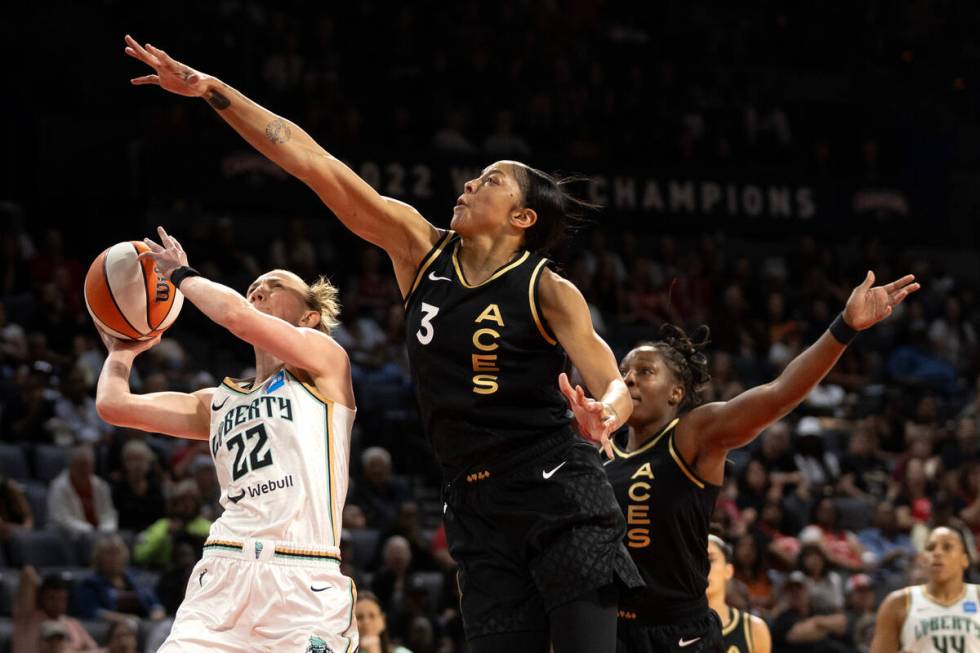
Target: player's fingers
{"points": [[607, 447], [900, 283], [145, 79], [138, 50], [154, 247], [165, 238], [868, 280], [177, 244]]}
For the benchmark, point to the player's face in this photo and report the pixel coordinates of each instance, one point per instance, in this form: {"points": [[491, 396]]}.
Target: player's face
{"points": [[652, 386], [719, 571], [279, 293], [370, 619], [488, 201], [947, 558]]}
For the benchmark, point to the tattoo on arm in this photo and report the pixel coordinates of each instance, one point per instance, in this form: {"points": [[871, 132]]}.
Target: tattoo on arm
{"points": [[277, 131], [218, 101]]}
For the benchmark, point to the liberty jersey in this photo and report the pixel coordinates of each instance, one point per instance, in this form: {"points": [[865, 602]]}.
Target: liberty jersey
{"points": [[281, 454], [484, 363], [667, 509], [931, 627]]}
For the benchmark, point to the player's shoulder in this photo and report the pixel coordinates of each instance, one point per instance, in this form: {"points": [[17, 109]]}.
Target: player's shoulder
{"points": [[896, 604]]}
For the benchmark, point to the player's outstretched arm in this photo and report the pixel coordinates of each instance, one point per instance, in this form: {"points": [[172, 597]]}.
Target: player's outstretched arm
{"points": [[727, 425], [394, 226], [302, 347], [566, 311], [174, 413]]}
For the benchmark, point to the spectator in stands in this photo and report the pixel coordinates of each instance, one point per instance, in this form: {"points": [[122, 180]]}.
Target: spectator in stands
{"points": [[913, 505], [137, 494], [772, 530], [860, 611], [15, 512], [372, 626], [842, 548], [952, 337], [888, 550], [75, 408], [825, 586], [819, 465], [208, 488], [407, 525], [796, 629], [754, 490], [750, 569], [391, 581], [864, 473], [378, 495], [46, 602], [155, 546], [31, 406], [79, 502], [113, 592], [173, 582], [121, 638]]}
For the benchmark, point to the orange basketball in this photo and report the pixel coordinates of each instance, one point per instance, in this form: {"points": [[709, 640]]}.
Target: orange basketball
{"points": [[127, 297]]}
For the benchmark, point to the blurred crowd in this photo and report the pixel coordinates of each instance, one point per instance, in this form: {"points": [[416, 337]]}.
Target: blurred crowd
{"points": [[99, 527], [835, 499]]}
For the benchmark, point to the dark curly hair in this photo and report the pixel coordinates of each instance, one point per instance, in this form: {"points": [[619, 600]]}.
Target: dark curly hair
{"points": [[682, 354]]}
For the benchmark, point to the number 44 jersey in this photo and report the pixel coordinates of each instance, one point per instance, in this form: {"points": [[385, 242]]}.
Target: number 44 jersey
{"points": [[281, 454], [934, 627]]}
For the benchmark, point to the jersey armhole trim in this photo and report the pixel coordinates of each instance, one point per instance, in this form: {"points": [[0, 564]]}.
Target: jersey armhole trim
{"points": [[748, 633], [532, 298], [427, 261], [691, 476]]}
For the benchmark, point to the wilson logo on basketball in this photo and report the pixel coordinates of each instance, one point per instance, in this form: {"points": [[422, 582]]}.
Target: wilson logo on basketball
{"points": [[128, 297]]}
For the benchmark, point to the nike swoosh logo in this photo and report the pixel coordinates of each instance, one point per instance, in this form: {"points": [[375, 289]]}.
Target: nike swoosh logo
{"points": [[238, 498], [432, 275], [218, 407], [548, 475], [687, 642], [319, 589], [200, 579]]}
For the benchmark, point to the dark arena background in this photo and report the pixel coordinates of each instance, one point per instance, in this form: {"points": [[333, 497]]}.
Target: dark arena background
{"points": [[752, 160]]}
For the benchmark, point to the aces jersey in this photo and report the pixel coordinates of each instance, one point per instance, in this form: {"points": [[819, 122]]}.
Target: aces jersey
{"points": [[484, 362], [281, 454], [668, 509], [932, 627]]}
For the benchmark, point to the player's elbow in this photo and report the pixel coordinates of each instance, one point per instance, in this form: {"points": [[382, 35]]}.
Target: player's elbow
{"points": [[111, 411]]}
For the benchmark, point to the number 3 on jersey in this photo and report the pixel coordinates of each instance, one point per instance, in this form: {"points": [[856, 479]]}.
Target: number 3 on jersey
{"points": [[427, 330]]}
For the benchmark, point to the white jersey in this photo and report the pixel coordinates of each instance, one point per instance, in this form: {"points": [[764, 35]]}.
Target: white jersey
{"points": [[931, 627], [281, 453]]}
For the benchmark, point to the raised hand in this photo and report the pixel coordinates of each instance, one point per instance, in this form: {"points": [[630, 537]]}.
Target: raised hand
{"points": [[171, 75], [593, 422], [869, 305], [169, 256]]}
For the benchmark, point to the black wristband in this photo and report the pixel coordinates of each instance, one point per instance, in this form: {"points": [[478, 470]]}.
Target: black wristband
{"points": [[181, 273], [841, 331]]}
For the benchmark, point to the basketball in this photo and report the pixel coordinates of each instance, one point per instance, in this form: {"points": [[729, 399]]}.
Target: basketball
{"points": [[127, 297]]}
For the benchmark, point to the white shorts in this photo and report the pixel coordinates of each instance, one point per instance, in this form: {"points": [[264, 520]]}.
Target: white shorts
{"points": [[259, 595]]}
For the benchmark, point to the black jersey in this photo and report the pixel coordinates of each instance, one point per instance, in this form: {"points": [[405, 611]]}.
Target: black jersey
{"points": [[737, 635], [484, 363], [667, 509]]}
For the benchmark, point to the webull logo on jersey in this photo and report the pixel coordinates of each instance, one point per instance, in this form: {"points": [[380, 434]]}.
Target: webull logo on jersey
{"points": [[259, 489]]}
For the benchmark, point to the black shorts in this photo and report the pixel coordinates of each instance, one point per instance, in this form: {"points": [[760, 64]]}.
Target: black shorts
{"points": [[697, 636], [531, 536]]}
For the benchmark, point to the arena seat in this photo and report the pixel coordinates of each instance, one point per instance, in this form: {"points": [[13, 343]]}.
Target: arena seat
{"points": [[13, 463], [365, 542], [36, 494], [39, 548], [49, 460]]}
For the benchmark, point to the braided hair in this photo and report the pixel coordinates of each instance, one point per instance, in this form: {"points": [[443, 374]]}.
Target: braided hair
{"points": [[681, 352]]}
